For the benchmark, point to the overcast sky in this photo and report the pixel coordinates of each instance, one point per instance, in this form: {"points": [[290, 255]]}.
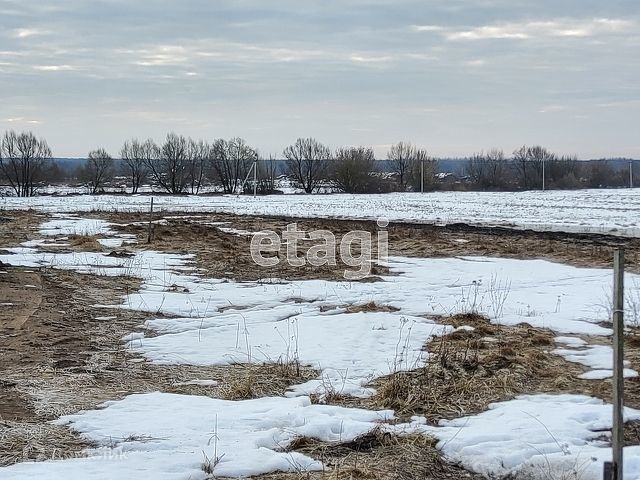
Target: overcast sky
{"points": [[455, 76]]}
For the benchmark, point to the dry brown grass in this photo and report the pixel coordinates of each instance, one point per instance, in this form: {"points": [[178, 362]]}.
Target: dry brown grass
{"points": [[375, 455], [267, 380], [23, 442], [468, 370], [370, 307], [85, 243]]}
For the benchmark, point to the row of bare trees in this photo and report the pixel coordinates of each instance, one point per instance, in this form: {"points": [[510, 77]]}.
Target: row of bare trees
{"points": [[183, 165], [178, 165], [355, 170], [536, 167]]}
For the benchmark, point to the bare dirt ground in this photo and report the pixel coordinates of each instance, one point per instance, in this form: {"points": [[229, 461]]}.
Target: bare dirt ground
{"points": [[59, 353], [227, 254]]}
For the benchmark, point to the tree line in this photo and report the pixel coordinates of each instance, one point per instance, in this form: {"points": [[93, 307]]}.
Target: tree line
{"points": [[182, 165], [535, 167]]}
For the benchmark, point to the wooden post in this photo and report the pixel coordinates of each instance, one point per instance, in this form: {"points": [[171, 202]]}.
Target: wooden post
{"points": [[150, 234], [617, 435]]}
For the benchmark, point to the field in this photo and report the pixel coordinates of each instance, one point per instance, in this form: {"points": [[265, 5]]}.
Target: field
{"points": [[138, 345]]}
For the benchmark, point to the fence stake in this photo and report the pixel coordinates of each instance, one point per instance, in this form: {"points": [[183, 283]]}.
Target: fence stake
{"points": [[150, 222], [613, 471]]}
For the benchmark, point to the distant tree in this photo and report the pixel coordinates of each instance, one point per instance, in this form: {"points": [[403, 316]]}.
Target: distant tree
{"points": [[198, 155], [352, 169], [422, 170], [231, 161], [529, 164], [307, 163], [563, 172], [97, 170], [488, 170], [22, 161], [54, 173], [267, 172], [242, 157], [135, 156], [401, 156], [169, 168], [600, 173]]}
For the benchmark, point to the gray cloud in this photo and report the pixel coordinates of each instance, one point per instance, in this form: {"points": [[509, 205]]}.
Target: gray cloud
{"points": [[454, 75]]}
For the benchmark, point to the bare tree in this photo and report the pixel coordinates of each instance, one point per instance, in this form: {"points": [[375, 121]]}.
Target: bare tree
{"points": [[353, 168], [220, 165], [488, 170], [267, 172], [134, 155], [22, 160], [198, 155], [97, 170], [600, 173], [422, 170], [529, 164], [242, 157], [307, 162], [231, 161], [401, 156], [563, 172], [169, 166]]}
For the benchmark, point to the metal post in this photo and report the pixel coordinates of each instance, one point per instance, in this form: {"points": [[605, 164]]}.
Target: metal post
{"points": [[150, 234], [617, 434], [255, 177]]}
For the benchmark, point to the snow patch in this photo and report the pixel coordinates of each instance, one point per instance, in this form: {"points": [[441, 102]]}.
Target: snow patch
{"points": [[166, 436]]}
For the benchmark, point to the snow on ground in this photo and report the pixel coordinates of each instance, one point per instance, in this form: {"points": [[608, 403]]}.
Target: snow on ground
{"points": [[570, 341], [71, 225], [597, 357], [221, 322], [149, 265], [226, 322], [591, 211], [350, 349], [548, 436], [562, 298], [111, 242], [247, 437], [235, 231]]}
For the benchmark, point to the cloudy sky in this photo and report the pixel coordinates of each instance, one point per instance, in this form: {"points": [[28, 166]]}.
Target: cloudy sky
{"points": [[455, 76]]}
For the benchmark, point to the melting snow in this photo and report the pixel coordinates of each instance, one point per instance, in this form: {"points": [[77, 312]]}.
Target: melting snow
{"points": [[166, 436], [545, 435], [222, 322]]}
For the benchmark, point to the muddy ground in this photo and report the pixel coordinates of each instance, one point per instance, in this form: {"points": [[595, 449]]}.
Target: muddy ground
{"points": [[59, 353]]}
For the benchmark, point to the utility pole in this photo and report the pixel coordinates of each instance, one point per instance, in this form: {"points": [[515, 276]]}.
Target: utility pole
{"points": [[613, 469], [255, 177], [543, 174], [422, 175]]}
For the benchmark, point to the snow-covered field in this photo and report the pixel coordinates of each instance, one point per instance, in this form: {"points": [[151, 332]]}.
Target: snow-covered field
{"points": [[218, 322], [589, 211]]}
